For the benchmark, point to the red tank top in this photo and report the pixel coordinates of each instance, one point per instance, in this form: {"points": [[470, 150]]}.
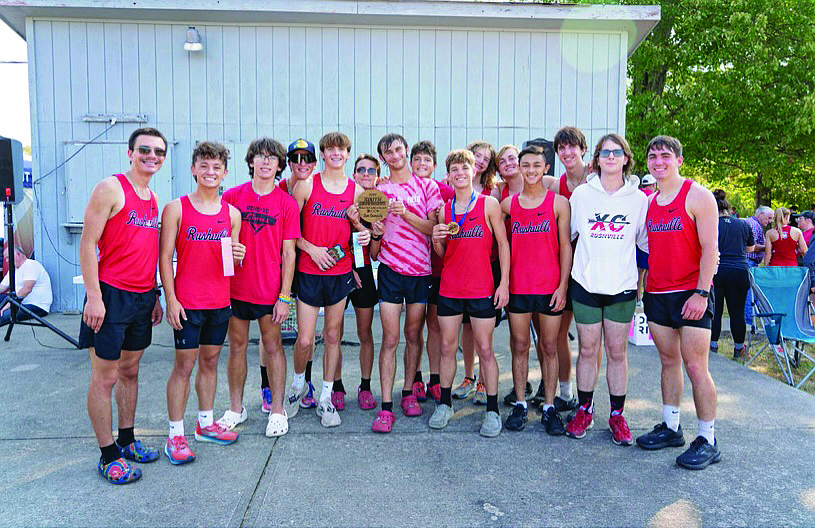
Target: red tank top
{"points": [[564, 187], [128, 247], [535, 265], [673, 245], [284, 185], [784, 250], [324, 223], [200, 282], [467, 273]]}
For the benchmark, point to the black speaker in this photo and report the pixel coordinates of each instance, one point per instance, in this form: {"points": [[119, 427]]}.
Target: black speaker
{"points": [[548, 149], [11, 170]]}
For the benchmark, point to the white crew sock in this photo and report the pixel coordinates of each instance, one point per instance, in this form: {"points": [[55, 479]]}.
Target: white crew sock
{"points": [[705, 429], [299, 380], [547, 407], [325, 394], [670, 414], [204, 418], [522, 403], [566, 390], [176, 428]]}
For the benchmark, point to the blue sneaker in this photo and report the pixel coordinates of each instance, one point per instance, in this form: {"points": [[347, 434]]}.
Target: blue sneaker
{"points": [[308, 400], [119, 472], [266, 396], [139, 452]]}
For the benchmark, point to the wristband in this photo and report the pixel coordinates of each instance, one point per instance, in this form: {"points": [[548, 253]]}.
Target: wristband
{"points": [[284, 299], [376, 237]]}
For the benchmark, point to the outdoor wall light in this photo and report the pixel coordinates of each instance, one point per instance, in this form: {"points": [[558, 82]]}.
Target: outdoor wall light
{"points": [[193, 42]]}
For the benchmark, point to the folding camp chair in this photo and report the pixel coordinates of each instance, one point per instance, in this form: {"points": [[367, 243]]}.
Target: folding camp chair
{"points": [[783, 310]]}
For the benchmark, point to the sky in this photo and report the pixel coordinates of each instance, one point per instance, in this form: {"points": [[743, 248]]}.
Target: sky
{"points": [[15, 119]]}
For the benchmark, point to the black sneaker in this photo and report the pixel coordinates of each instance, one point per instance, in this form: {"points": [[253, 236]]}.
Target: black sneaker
{"points": [[539, 397], [509, 398], [517, 418], [563, 405], [660, 437], [553, 423], [699, 454]]}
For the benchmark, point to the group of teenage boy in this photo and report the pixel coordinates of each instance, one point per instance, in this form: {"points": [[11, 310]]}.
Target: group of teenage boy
{"points": [[453, 254]]}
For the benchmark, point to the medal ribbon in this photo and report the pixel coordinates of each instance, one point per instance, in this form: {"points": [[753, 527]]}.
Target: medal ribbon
{"points": [[453, 211]]}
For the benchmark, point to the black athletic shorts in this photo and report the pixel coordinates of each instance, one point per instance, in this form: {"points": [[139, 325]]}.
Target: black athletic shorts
{"points": [[397, 288], [433, 294], [581, 295], [666, 310], [642, 259], [324, 291], [525, 303], [246, 310], [202, 327], [496, 280], [367, 296], [128, 323], [474, 308]]}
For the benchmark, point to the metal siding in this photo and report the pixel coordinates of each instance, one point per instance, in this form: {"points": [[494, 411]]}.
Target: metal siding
{"points": [[451, 87]]}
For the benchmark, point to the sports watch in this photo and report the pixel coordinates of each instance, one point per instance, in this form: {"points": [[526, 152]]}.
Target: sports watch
{"points": [[703, 293]]}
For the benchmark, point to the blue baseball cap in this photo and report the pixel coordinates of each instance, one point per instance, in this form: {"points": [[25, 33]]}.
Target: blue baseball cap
{"points": [[301, 145]]}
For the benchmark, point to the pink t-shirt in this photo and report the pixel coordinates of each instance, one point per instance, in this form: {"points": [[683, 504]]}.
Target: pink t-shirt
{"points": [[405, 249]]}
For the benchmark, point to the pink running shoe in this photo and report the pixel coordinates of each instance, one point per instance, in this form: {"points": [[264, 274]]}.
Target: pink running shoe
{"points": [[576, 429], [338, 400], [366, 400], [383, 422], [435, 392], [178, 450], [419, 391], [215, 433], [411, 406], [620, 433]]}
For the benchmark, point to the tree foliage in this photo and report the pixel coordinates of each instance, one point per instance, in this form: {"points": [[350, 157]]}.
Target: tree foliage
{"points": [[734, 80]]}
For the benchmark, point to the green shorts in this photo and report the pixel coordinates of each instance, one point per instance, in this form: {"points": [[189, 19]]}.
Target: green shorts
{"points": [[593, 308]]}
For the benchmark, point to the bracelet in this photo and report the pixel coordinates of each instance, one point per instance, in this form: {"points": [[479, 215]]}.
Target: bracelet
{"points": [[284, 299]]}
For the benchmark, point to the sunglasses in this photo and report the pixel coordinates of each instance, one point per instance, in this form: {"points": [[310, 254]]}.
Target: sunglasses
{"points": [[363, 170], [145, 150], [605, 153], [301, 158]]}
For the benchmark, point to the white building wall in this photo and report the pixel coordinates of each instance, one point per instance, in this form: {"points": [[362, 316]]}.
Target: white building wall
{"points": [[448, 86]]}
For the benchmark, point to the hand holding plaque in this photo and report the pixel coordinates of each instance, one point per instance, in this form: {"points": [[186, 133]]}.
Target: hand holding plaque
{"points": [[372, 205]]}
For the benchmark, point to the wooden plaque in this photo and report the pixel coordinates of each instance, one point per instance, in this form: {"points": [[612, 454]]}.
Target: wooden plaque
{"points": [[373, 205]]}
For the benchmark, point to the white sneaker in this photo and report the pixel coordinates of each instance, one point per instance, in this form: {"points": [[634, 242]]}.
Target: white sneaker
{"points": [[328, 414], [231, 419], [441, 416], [292, 400]]}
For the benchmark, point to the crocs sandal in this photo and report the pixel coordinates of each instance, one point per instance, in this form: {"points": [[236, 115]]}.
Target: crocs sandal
{"points": [[139, 452], [119, 472], [278, 424]]}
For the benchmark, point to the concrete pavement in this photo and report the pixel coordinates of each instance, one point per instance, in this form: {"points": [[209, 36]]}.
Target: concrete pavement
{"points": [[349, 476]]}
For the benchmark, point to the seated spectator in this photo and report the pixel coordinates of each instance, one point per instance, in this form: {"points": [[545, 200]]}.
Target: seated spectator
{"points": [[32, 284]]}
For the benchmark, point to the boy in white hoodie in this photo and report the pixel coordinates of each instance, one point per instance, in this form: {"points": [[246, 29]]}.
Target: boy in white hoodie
{"points": [[608, 220]]}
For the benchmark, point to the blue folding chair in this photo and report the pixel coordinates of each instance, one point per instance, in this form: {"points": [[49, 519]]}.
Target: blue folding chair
{"points": [[783, 310]]}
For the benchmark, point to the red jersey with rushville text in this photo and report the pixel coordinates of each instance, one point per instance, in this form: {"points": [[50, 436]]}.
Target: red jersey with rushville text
{"points": [[535, 265], [325, 223], [266, 221], [673, 245], [467, 273], [200, 282], [128, 247]]}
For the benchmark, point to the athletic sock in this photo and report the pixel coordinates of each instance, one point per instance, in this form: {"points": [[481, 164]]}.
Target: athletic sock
{"points": [[547, 407], [670, 414], [447, 396], [204, 418], [522, 403], [110, 453], [338, 386], [617, 404], [365, 384], [714, 345], [434, 379], [387, 406], [325, 393], [264, 378], [492, 403], [308, 370], [176, 428], [584, 399], [418, 376], [299, 380], [406, 393], [566, 390], [125, 437], [705, 429]]}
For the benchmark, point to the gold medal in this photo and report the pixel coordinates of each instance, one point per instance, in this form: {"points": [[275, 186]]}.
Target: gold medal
{"points": [[453, 228]]}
